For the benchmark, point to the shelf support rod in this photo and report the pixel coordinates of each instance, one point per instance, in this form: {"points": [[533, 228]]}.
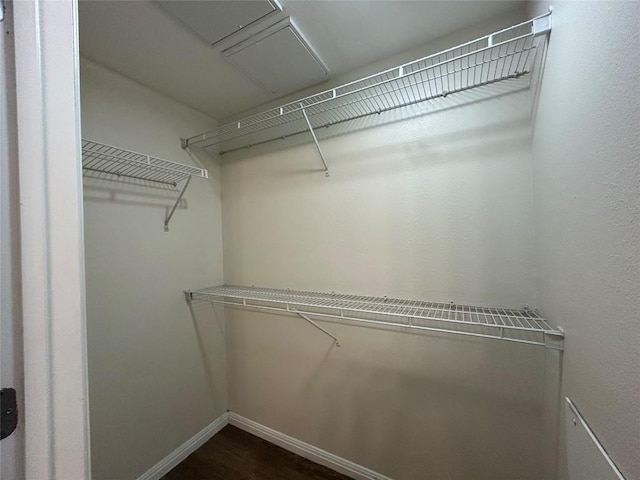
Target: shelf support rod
{"points": [[175, 205], [315, 139], [335, 339]]}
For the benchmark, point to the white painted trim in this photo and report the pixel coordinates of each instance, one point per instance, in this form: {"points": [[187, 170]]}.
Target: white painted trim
{"points": [[290, 444], [51, 232], [187, 448], [305, 450]]}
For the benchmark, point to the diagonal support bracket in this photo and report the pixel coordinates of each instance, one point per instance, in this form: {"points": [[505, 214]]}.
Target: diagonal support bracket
{"points": [[315, 139], [302, 315], [175, 205]]}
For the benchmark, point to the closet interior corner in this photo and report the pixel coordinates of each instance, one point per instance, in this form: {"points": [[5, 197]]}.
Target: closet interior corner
{"points": [[386, 177]]}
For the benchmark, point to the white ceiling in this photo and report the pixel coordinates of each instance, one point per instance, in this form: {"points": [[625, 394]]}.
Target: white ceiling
{"points": [[142, 41]]}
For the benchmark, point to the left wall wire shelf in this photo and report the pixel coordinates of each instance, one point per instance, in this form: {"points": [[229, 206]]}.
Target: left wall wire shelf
{"points": [[115, 163]]}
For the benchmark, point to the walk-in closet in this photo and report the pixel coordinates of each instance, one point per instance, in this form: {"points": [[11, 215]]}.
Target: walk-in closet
{"points": [[397, 239]]}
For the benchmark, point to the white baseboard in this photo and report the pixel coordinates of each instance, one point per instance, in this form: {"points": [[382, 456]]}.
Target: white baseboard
{"points": [[305, 450], [291, 444], [187, 448]]}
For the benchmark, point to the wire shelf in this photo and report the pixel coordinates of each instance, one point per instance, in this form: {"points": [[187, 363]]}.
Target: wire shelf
{"points": [[503, 55], [107, 162], [515, 325], [99, 158]]}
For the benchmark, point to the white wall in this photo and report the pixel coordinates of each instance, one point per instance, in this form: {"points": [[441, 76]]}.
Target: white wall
{"points": [[587, 193], [439, 207], [157, 371]]}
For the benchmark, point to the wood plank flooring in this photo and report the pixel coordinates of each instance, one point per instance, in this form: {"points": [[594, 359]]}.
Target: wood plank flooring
{"points": [[233, 454]]}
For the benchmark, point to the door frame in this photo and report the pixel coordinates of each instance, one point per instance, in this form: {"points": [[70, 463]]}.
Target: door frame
{"points": [[11, 447], [56, 418]]}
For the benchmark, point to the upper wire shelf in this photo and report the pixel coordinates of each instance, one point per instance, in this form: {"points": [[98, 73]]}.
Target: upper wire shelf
{"points": [[514, 325], [104, 161], [99, 158], [502, 55]]}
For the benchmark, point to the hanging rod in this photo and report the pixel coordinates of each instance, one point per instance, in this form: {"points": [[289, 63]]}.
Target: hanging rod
{"points": [[103, 161], [514, 325], [502, 55]]}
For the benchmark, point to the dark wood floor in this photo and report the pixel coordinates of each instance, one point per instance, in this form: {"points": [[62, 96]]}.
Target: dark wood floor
{"points": [[233, 454]]}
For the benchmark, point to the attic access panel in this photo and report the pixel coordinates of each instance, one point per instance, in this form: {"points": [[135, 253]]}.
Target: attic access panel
{"points": [[278, 58], [216, 20]]}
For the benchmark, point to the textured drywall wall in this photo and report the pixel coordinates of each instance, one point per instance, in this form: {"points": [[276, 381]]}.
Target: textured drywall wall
{"points": [[407, 406], [437, 207], [157, 372], [587, 197]]}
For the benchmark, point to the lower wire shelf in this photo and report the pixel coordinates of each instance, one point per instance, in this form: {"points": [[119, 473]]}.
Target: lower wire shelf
{"points": [[513, 325]]}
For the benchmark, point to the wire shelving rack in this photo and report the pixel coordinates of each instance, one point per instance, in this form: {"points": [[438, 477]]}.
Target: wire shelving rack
{"points": [[104, 161], [513, 325], [500, 56]]}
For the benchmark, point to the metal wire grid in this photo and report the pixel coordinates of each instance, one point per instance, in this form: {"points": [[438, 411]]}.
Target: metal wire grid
{"points": [[99, 158], [523, 326], [499, 56]]}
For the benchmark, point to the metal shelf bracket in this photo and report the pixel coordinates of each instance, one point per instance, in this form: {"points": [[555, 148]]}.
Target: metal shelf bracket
{"points": [[175, 205], [315, 139], [302, 315], [185, 146]]}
